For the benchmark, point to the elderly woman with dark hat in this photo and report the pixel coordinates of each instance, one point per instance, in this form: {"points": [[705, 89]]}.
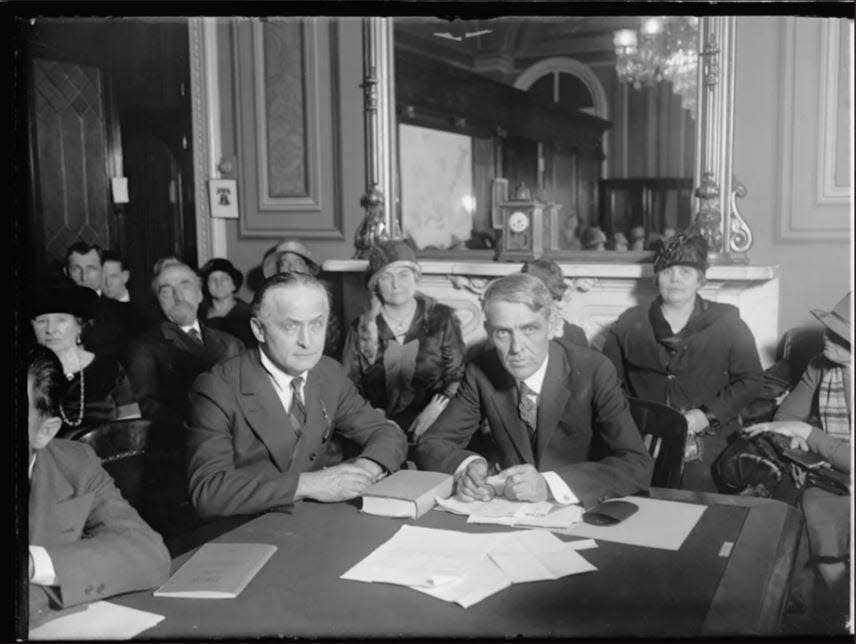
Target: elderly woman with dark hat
{"points": [[406, 354], [691, 354], [551, 274], [98, 389], [222, 309], [817, 415]]}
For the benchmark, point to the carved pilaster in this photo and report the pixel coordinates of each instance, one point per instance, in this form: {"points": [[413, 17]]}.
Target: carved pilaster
{"points": [[708, 220]]}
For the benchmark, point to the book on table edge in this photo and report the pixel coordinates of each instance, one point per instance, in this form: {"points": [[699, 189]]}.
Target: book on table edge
{"points": [[406, 494], [217, 571]]}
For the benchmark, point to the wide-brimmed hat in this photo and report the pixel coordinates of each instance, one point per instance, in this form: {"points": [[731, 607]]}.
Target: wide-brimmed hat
{"points": [[682, 250], [224, 265], [390, 254], [838, 319], [550, 273], [288, 246], [78, 301]]}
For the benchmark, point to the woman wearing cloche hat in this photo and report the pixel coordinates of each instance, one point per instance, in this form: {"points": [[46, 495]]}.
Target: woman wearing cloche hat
{"points": [[222, 309], [406, 354], [689, 353], [98, 389], [817, 415]]}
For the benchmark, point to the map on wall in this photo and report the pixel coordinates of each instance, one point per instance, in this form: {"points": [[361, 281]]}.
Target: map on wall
{"points": [[436, 186]]}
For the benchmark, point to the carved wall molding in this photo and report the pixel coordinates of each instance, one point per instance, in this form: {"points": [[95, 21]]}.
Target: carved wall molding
{"points": [[199, 64], [834, 73]]}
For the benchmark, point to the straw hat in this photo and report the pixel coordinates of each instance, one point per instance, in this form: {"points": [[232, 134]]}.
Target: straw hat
{"points": [[269, 266]]}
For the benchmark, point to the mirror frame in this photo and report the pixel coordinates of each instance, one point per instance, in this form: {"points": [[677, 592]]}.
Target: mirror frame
{"points": [[716, 190]]}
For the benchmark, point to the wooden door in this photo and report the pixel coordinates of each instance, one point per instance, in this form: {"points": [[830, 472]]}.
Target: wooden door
{"points": [[70, 158]]}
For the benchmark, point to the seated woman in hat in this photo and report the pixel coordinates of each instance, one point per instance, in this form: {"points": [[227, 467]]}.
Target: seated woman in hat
{"points": [[291, 256], [406, 354], [222, 309], [817, 415], [551, 274], [98, 389], [691, 354]]}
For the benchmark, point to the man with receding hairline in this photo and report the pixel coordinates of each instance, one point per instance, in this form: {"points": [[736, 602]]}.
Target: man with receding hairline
{"points": [[558, 418], [260, 422]]}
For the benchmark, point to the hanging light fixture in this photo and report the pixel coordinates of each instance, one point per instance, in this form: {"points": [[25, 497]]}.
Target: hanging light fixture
{"points": [[664, 48]]}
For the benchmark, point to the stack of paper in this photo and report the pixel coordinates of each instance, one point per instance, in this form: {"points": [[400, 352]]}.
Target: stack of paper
{"points": [[100, 621], [465, 568], [501, 511]]}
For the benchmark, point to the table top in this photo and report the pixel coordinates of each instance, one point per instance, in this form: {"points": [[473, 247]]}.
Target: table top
{"points": [[635, 592]]}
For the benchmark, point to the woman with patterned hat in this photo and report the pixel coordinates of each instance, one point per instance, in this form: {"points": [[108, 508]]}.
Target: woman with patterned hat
{"points": [[222, 309], [98, 389], [406, 354], [817, 415], [689, 353]]}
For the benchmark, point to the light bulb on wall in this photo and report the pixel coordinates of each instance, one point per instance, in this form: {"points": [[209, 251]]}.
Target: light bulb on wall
{"points": [[469, 203]]}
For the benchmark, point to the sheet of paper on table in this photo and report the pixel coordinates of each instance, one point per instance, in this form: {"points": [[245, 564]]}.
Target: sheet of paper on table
{"points": [[100, 621], [501, 511], [464, 567], [657, 524]]}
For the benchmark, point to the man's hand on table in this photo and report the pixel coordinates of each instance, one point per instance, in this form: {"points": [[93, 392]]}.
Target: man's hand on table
{"points": [[338, 483], [523, 483], [471, 485]]}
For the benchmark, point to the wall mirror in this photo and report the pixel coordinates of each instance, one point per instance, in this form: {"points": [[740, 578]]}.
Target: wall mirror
{"points": [[620, 125]]}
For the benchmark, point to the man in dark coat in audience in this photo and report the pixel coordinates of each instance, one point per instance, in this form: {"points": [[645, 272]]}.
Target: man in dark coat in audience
{"points": [[113, 325], [162, 365]]}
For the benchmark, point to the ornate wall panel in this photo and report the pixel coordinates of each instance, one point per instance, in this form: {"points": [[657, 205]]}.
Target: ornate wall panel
{"points": [[287, 84], [815, 180]]}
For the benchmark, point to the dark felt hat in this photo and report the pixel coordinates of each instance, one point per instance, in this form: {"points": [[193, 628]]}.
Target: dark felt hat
{"points": [[550, 273], [78, 301], [682, 250], [390, 253], [224, 265], [838, 319]]}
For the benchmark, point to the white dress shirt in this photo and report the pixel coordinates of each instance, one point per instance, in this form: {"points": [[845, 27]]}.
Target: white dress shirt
{"points": [[126, 297], [282, 381], [195, 325], [43, 570], [559, 490]]}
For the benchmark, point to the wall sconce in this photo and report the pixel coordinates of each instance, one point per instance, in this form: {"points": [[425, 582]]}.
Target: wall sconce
{"points": [[119, 187]]}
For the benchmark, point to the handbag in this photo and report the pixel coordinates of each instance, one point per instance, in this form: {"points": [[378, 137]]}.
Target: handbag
{"points": [[751, 466], [818, 472]]}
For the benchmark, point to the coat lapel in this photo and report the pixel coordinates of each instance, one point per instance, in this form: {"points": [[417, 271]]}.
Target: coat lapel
{"points": [[505, 405], [264, 412], [180, 340], [554, 396], [51, 496]]}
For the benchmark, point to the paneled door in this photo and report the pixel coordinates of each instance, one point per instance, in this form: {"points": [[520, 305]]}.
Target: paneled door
{"points": [[71, 159]]}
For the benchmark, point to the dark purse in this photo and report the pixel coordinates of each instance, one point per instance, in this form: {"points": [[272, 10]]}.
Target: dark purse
{"points": [[752, 466]]}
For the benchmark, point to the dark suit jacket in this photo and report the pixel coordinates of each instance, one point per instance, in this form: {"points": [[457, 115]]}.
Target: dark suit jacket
{"points": [[245, 456], [98, 544], [113, 326], [585, 431], [164, 362]]}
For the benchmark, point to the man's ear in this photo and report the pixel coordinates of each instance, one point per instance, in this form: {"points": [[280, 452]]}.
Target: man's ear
{"points": [[256, 328], [46, 431], [126, 275]]}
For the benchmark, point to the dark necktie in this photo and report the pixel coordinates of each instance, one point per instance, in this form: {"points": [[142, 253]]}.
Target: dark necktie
{"points": [[193, 333], [528, 409], [298, 409]]}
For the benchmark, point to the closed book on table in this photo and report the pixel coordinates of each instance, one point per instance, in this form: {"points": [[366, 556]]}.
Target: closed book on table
{"points": [[406, 494], [217, 571]]}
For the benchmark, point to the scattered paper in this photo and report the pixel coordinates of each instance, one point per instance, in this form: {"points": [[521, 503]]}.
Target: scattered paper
{"points": [[561, 516], [466, 567], [100, 621], [657, 524], [581, 544], [542, 514]]}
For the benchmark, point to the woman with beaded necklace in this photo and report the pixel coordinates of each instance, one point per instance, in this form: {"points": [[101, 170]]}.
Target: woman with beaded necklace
{"points": [[406, 354], [98, 389]]}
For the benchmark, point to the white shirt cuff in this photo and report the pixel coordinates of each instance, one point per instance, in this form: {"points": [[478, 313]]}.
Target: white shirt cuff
{"points": [[559, 489], [43, 570], [464, 463]]}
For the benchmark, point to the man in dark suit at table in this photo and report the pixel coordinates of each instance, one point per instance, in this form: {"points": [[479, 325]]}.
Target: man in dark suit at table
{"points": [[259, 422], [560, 423], [162, 365], [86, 541]]}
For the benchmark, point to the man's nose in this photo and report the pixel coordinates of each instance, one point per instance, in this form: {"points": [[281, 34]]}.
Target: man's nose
{"points": [[303, 336], [514, 344]]}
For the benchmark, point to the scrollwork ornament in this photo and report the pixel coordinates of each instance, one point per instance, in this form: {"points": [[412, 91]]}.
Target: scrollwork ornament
{"points": [[740, 238], [475, 285], [373, 229], [584, 284]]}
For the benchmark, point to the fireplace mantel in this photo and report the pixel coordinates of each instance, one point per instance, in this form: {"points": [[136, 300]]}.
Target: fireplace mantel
{"points": [[600, 293]]}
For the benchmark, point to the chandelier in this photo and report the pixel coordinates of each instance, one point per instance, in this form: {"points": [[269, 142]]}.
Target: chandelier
{"points": [[665, 48]]}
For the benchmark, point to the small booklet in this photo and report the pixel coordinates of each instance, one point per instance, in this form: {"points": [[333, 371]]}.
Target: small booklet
{"points": [[217, 571], [407, 493]]}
